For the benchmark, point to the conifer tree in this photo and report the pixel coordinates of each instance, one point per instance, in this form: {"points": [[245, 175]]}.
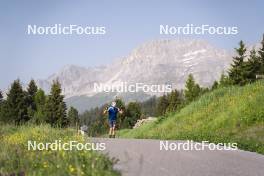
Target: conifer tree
{"points": [[175, 101], [237, 73], [149, 107], [73, 117], [16, 104], [56, 107], [261, 57], [32, 88], [31, 92], [224, 80], [1, 97], [162, 105], [40, 101], [1, 106], [133, 113], [253, 66], [192, 90], [215, 85]]}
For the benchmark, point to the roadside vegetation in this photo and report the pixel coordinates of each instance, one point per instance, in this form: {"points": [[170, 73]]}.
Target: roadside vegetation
{"points": [[231, 114], [16, 159]]}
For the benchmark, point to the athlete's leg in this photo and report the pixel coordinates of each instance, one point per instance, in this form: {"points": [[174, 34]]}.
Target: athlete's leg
{"points": [[113, 129], [110, 132]]}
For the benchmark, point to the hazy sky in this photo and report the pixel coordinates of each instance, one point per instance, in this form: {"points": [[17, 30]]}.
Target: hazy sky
{"points": [[128, 24]]}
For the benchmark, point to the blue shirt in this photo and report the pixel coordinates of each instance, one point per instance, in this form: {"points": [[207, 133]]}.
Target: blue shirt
{"points": [[112, 113]]}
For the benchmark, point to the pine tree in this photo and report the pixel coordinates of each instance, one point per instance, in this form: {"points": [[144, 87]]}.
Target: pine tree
{"points": [[192, 90], [1, 97], [16, 104], [224, 80], [133, 113], [40, 101], [56, 107], [4, 112], [149, 107], [32, 88], [1, 106], [215, 85], [253, 66], [73, 117], [261, 57], [237, 72], [162, 105], [175, 101], [31, 92]]}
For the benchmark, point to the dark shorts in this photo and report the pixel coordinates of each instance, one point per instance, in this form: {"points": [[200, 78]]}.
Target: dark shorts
{"points": [[112, 123]]}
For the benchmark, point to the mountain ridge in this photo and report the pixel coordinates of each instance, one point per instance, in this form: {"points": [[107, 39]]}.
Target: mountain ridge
{"points": [[154, 55], [154, 62]]}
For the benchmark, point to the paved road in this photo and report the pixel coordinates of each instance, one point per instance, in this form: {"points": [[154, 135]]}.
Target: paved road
{"points": [[139, 157]]}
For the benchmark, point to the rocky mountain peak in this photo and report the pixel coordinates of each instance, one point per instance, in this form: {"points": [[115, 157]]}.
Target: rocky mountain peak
{"points": [[154, 62]]}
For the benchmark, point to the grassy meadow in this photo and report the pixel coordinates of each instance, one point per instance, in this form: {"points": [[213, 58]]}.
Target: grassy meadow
{"points": [[231, 114]]}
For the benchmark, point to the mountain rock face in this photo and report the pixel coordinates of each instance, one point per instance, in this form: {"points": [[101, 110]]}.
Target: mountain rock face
{"points": [[157, 62]]}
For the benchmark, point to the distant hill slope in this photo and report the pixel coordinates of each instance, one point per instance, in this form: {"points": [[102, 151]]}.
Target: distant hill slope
{"points": [[83, 103], [232, 114]]}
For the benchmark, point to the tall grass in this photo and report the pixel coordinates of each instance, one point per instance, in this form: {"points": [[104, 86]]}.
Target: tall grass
{"points": [[232, 114], [15, 158]]}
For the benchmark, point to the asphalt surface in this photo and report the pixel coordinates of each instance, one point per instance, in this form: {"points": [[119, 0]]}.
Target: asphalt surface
{"points": [[143, 157]]}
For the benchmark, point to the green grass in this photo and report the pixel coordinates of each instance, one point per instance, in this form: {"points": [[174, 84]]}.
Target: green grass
{"points": [[16, 158], [232, 114]]}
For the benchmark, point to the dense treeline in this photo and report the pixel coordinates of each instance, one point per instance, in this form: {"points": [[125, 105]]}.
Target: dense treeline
{"points": [[97, 122], [244, 69], [32, 105]]}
